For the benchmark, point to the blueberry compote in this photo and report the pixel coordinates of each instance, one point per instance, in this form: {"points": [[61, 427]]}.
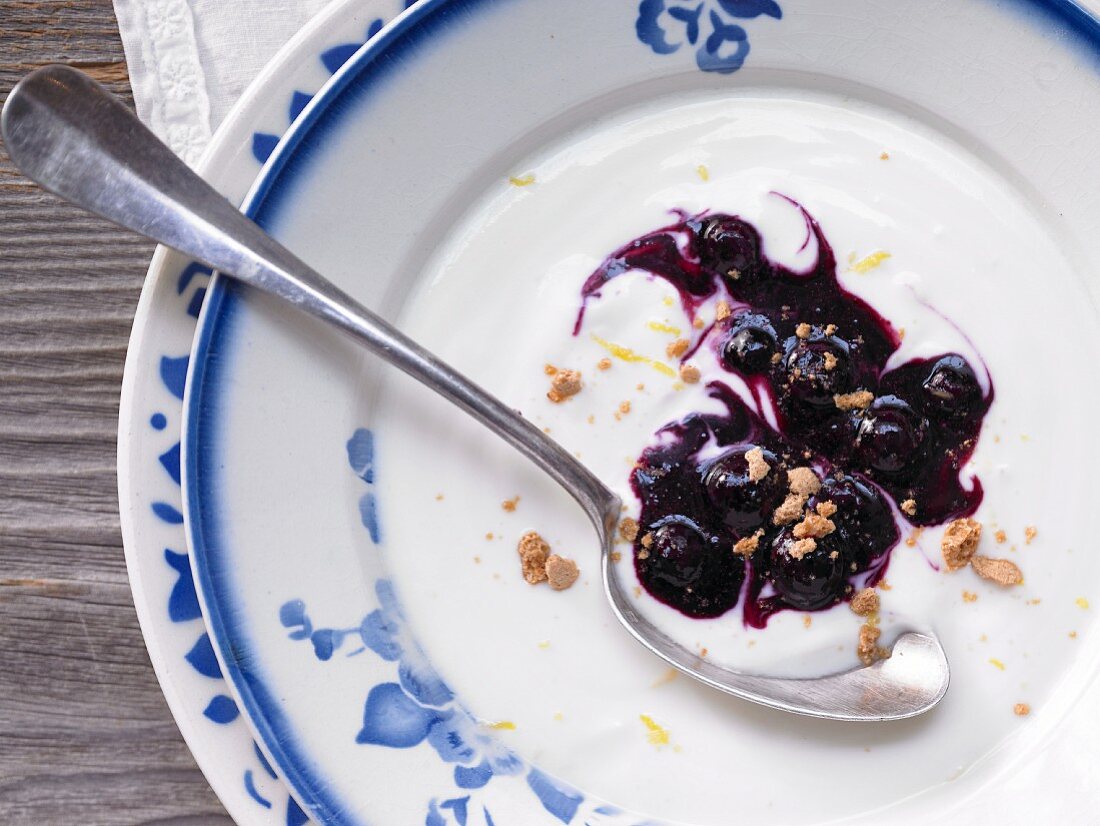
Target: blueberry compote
{"points": [[817, 355]]}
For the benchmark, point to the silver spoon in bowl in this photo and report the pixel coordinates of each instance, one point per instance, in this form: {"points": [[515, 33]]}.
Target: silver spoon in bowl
{"points": [[65, 131]]}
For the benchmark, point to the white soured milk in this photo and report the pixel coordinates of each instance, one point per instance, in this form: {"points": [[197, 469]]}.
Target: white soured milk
{"points": [[499, 300]]}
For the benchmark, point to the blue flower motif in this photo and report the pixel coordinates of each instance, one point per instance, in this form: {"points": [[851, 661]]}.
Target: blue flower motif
{"points": [[721, 44], [419, 707], [459, 738]]}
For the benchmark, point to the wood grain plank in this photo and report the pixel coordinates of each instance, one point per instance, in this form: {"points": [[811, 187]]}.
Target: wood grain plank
{"points": [[85, 735]]}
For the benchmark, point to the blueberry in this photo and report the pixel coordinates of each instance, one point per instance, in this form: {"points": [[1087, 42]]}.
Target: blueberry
{"points": [[742, 504], [863, 517], [678, 551], [818, 368], [689, 570], [817, 579], [750, 343], [731, 248], [891, 436], [951, 388]]}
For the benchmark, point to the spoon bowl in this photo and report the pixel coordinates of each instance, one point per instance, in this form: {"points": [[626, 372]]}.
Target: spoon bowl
{"points": [[66, 132]]}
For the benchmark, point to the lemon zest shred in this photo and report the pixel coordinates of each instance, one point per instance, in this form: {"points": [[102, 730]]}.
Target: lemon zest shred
{"points": [[1082, 603], [523, 180], [703, 173], [657, 735], [869, 263], [993, 661], [628, 355], [503, 725], [664, 328]]}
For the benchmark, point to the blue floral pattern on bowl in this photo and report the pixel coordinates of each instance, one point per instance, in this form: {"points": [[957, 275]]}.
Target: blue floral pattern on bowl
{"points": [[721, 44]]}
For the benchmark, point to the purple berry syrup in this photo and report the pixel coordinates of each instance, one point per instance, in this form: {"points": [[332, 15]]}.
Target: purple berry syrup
{"points": [[694, 483]]}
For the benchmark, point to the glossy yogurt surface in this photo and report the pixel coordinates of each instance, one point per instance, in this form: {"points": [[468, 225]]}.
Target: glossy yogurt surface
{"points": [[926, 233]]}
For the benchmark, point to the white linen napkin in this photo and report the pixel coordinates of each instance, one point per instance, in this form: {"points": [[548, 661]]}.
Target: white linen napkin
{"points": [[189, 60]]}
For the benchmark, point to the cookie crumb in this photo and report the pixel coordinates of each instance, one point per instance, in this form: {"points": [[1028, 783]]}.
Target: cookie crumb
{"points": [[830, 329], [533, 553], [826, 509], [647, 541], [563, 385], [734, 273], [624, 407], [807, 620], [959, 542], [803, 330], [830, 361], [1021, 709], [698, 324], [1001, 571], [758, 467], [439, 497], [909, 507], [865, 603], [859, 400], [689, 373], [561, 572], [748, 545], [799, 549], [885, 156], [1030, 532], [549, 369], [1001, 537], [603, 364], [911, 540], [868, 648], [968, 596], [776, 358], [803, 481], [675, 349], [789, 510], [616, 556], [813, 526], [722, 311], [510, 504], [628, 529]]}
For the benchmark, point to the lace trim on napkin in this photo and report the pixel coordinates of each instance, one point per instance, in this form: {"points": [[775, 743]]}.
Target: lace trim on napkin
{"points": [[170, 90]]}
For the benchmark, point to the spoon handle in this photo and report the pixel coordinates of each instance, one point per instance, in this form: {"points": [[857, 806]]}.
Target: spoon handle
{"points": [[69, 134]]}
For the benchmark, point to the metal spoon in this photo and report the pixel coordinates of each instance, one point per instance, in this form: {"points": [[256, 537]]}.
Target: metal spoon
{"points": [[65, 131]]}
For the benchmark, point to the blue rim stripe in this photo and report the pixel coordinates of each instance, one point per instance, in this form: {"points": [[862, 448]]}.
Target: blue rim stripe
{"points": [[204, 387]]}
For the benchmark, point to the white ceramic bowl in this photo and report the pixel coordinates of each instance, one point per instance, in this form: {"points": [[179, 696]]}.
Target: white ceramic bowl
{"points": [[282, 490]]}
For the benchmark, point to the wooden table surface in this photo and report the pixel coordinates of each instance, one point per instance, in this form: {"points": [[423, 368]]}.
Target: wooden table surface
{"points": [[85, 735]]}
